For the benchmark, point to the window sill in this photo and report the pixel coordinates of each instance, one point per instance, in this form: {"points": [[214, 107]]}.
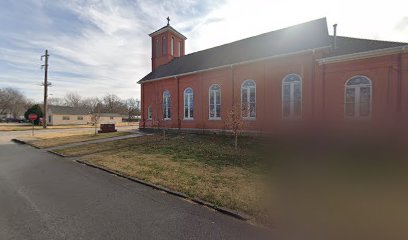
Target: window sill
{"points": [[249, 118], [167, 119], [188, 119], [214, 119]]}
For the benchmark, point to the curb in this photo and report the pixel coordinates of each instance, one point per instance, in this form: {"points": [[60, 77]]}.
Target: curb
{"points": [[223, 210], [24, 142], [18, 141], [56, 153]]}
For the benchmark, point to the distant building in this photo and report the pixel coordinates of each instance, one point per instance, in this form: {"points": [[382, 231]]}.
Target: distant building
{"points": [[63, 115], [110, 118], [295, 74]]}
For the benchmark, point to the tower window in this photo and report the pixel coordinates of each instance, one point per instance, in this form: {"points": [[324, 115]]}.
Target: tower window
{"points": [[179, 49], [164, 46], [172, 46], [157, 52]]}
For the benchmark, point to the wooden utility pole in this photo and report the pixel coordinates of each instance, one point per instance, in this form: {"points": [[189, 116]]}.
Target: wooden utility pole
{"points": [[45, 84]]}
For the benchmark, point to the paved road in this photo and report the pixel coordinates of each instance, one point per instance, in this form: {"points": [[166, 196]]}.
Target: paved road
{"points": [[43, 196]]}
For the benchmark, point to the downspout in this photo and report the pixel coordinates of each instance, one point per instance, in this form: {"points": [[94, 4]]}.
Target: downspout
{"points": [[178, 103], [203, 101], [324, 92], [399, 85], [233, 90], [313, 83], [390, 110], [142, 106], [263, 121], [233, 87]]}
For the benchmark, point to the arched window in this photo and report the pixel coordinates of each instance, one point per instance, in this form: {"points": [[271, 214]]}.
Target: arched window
{"points": [[248, 99], [149, 112], [292, 96], [357, 97], [157, 48], [188, 103], [215, 102], [172, 46], [166, 105], [164, 46]]}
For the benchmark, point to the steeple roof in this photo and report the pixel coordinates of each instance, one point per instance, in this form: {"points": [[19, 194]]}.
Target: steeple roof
{"points": [[167, 28]]}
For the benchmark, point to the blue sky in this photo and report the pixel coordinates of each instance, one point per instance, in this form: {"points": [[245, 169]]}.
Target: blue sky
{"points": [[100, 47]]}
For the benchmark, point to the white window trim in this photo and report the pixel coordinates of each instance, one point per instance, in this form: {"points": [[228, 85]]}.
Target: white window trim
{"points": [[164, 108], [209, 103], [292, 116], [357, 96], [188, 105], [248, 89]]}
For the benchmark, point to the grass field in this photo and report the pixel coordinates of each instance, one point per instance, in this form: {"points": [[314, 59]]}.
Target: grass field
{"points": [[205, 167]]}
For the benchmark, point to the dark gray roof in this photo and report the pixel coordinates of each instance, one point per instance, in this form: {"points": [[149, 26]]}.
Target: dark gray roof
{"points": [[64, 110], [348, 45], [309, 35], [110, 115]]}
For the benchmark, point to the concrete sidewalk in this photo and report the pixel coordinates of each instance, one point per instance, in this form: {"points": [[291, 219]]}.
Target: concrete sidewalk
{"points": [[7, 136], [95, 141]]}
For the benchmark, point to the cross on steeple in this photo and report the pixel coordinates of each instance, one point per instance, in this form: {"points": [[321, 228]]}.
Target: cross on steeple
{"points": [[168, 21]]}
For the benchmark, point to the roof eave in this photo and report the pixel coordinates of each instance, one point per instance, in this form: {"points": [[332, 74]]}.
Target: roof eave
{"points": [[362, 55]]}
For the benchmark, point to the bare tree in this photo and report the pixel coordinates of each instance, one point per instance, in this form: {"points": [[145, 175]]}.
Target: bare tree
{"points": [[56, 101], [95, 114], [91, 103], [235, 122], [133, 107], [12, 102], [72, 99], [113, 104]]}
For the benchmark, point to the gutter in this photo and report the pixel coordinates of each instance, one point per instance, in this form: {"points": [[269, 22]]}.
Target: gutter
{"points": [[362, 55], [236, 64]]}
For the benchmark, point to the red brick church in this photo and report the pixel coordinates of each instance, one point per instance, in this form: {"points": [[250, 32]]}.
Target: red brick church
{"points": [[295, 74]]}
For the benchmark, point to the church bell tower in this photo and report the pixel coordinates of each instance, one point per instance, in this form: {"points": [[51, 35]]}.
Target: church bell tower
{"points": [[167, 43]]}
